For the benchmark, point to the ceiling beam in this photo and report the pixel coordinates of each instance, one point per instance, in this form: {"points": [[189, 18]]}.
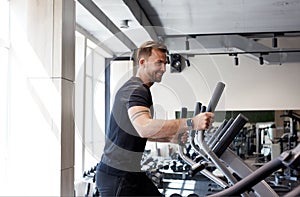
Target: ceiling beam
{"points": [[230, 44], [100, 16], [106, 52], [244, 34], [142, 18]]}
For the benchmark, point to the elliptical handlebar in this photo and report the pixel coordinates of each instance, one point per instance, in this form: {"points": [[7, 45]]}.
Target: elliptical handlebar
{"points": [[215, 97], [199, 108], [195, 167]]}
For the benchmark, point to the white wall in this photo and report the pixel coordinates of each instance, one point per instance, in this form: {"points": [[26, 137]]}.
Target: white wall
{"points": [[249, 86]]}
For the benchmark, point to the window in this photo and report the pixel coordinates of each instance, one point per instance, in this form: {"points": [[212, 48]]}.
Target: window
{"points": [[89, 105], [4, 75]]}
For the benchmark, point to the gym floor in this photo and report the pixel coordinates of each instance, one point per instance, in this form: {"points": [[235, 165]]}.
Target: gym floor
{"points": [[205, 187], [201, 187]]}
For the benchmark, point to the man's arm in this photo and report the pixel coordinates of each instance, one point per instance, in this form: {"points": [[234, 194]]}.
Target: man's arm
{"points": [[147, 127], [159, 140], [174, 139]]}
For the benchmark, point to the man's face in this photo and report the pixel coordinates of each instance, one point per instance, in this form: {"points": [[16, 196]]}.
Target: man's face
{"points": [[155, 66]]}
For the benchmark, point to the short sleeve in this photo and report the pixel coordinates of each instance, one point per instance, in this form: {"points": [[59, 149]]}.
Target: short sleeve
{"points": [[140, 96]]}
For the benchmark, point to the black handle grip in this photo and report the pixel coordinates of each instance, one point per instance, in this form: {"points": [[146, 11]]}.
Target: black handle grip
{"points": [[230, 134], [203, 109], [215, 97], [183, 113], [197, 108]]}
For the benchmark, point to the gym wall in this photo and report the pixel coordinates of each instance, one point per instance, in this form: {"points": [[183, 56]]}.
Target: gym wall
{"points": [[249, 86]]}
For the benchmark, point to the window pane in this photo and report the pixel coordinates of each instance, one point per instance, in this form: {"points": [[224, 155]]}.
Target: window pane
{"points": [[3, 115], [4, 74], [4, 21]]}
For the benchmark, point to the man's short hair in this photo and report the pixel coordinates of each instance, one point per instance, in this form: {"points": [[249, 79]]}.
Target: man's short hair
{"points": [[145, 49]]}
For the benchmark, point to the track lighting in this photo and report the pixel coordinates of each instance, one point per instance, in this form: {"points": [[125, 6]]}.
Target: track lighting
{"points": [[187, 47], [187, 62], [261, 59], [187, 44], [274, 41], [124, 24], [236, 60]]}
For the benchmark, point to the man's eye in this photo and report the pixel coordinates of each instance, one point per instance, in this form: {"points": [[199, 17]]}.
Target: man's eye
{"points": [[159, 63]]}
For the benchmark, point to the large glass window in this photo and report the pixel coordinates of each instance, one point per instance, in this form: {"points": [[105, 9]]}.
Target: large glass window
{"points": [[30, 108], [4, 74], [4, 22], [89, 105]]}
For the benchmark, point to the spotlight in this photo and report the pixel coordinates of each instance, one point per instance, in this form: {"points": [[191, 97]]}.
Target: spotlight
{"points": [[236, 60], [188, 62], [176, 63], [274, 41], [124, 24], [187, 44], [261, 59]]}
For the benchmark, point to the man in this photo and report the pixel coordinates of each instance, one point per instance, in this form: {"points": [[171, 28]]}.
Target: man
{"points": [[131, 125]]}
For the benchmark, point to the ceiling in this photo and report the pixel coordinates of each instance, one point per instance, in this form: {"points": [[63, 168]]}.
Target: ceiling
{"points": [[195, 27]]}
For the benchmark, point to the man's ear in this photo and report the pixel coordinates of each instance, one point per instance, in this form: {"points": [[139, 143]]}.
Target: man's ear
{"points": [[142, 61]]}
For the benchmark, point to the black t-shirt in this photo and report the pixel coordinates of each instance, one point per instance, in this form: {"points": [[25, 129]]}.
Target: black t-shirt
{"points": [[123, 146]]}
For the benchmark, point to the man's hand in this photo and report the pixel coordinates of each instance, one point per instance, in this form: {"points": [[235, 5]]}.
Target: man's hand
{"points": [[203, 121]]}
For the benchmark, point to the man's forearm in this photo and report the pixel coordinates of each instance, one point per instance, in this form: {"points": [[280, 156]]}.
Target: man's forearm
{"points": [[156, 129]]}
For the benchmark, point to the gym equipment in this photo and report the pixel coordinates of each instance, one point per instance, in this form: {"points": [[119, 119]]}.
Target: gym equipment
{"points": [[293, 137], [289, 159], [196, 167], [294, 192], [214, 152], [219, 154], [219, 132], [88, 181], [210, 154]]}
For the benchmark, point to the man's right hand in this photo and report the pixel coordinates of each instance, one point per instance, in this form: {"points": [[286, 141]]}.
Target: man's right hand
{"points": [[203, 121]]}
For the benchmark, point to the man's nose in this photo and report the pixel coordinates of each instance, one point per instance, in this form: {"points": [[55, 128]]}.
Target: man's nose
{"points": [[163, 67]]}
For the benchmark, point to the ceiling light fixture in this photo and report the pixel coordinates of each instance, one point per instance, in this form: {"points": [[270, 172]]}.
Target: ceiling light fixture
{"points": [[124, 24], [187, 47], [187, 44], [236, 59], [274, 41], [188, 63], [176, 63], [261, 59]]}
